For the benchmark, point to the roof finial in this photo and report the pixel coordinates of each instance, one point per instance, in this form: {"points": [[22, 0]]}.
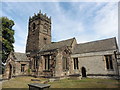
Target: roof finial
{"points": [[45, 14], [29, 17], [34, 14], [39, 11], [50, 17]]}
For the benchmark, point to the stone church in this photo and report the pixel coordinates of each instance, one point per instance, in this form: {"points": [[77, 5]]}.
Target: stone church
{"points": [[43, 58]]}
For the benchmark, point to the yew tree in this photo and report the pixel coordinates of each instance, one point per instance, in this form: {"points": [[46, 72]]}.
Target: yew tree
{"points": [[7, 37]]}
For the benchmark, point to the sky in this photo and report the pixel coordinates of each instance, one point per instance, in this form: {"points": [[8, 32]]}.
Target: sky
{"points": [[86, 21]]}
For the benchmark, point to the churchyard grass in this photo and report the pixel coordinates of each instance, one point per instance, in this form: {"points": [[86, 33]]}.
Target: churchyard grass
{"points": [[22, 82], [85, 83]]}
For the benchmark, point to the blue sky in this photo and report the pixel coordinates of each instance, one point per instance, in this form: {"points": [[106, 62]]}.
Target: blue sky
{"points": [[86, 21]]}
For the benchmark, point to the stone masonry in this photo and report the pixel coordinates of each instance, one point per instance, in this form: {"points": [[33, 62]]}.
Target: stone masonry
{"points": [[44, 58]]}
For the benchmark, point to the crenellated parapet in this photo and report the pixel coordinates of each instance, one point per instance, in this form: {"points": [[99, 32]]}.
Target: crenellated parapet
{"points": [[39, 32], [40, 16]]}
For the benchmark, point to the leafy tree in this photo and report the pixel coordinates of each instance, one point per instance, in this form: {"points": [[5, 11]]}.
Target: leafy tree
{"points": [[7, 38]]}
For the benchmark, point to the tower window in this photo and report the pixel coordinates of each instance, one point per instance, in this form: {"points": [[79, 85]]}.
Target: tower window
{"points": [[109, 64], [33, 25], [45, 40]]}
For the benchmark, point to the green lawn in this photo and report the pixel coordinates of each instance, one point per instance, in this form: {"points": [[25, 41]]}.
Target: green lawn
{"points": [[85, 83], [21, 82]]}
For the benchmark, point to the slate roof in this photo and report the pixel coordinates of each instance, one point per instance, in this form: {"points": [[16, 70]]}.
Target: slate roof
{"points": [[20, 56], [95, 46], [56, 45]]}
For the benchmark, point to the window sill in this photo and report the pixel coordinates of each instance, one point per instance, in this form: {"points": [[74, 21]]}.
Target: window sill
{"points": [[33, 70], [46, 70], [76, 69], [110, 69], [65, 70]]}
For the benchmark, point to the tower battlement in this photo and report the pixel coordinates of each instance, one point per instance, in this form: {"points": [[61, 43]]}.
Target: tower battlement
{"points": [[41, 16], [39, 32]]}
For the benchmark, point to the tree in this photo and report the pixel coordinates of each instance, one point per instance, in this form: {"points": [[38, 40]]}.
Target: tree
{"points": [[7, 38]]}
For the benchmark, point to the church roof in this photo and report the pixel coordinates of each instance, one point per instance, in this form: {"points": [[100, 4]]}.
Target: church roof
{"points": [[20, 56], [56, 45], [95, 46]]}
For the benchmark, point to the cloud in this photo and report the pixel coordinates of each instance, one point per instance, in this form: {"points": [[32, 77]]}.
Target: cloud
{"points": [[20, 38], [19, 48], [19, 27], [100, 21], [64, 26], [87, 21], [106, 20], [61, 0]]}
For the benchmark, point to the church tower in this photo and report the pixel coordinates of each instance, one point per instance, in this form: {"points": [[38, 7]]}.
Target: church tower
{"points": [[39, 32]]}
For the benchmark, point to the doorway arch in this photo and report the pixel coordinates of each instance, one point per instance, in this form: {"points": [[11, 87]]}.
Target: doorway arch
{"points": [[10, 71], [83, 69]]}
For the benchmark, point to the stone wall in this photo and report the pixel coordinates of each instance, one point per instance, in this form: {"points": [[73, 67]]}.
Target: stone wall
{"points": [[119, 70], [9, 69], [13, 69], [58, 68], [39, 32], [18, 68], [95, 64], [40, 71], [56, 63], [59, 72]]}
